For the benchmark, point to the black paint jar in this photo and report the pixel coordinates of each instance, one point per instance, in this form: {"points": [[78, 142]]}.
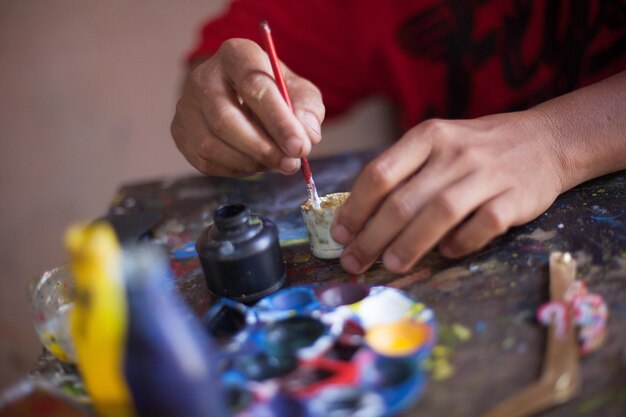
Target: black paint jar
{"points": [[240, 255]]}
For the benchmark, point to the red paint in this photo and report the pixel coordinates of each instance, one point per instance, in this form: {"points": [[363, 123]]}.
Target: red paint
{"points": [[183, 268], [296, 272], [45, 404], [341, 373]]}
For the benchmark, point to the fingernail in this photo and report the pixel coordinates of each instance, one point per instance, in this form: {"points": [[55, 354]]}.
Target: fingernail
{"points": [[289, 165], [293, 146], [312, 122], [341, 234], [350, 263], [391, 261]]}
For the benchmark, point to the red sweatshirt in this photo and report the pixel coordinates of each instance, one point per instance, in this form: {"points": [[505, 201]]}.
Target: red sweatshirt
{"points": [[434, 58]]}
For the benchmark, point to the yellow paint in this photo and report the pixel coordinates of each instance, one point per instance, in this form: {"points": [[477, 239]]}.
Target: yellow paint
{"points": [[302, 258], [439, 364], [50, 342], [98, 323], [441, 350], [253, 178], [292, 242], [415, 310], [441, 369], [463, 333], [397, 339]]}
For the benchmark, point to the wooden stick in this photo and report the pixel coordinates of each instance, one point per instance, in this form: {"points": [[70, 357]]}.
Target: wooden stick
{"points": [[268, 42], [560, 378]]}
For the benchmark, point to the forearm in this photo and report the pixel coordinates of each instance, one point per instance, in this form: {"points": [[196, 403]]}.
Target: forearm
{"points": [[587, 130]]}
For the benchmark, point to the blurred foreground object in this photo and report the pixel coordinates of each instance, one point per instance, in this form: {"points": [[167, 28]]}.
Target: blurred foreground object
{"points": [[140, 350], [170, 362], [51, 303], [99, 320], [32, 398], [570, 306]]}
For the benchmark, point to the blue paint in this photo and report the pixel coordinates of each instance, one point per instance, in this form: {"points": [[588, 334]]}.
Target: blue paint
{"points": [[288, 232], [480, 327], [612, 220], [186, 251], [293, 298]]}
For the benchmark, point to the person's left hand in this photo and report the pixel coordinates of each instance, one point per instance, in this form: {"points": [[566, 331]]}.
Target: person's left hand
{"points": [[453, 183]]}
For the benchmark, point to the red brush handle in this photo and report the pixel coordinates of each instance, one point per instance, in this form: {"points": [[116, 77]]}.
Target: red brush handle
{"points": [[268, 43]]}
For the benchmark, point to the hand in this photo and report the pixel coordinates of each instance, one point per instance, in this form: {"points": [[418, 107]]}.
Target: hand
{"points": [[456, 183], [232, 120]]}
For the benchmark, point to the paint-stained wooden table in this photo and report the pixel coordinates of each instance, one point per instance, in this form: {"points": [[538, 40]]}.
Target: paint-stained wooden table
{"points": [[492, 344]]}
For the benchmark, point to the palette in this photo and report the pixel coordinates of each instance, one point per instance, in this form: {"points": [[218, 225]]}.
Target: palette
{"points": [[341, 349]]}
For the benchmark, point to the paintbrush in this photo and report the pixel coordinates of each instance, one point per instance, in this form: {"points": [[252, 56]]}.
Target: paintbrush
{"points": [[560, 378], [268, 42]]}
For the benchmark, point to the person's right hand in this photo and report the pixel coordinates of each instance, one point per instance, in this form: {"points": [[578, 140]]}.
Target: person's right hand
{"points": [[232, 119]]}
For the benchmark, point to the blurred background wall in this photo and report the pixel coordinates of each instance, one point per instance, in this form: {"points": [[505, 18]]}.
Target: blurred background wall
{"points": [[88, 90]]}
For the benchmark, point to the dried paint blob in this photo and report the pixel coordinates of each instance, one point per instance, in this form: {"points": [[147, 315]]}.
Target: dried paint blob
{"points": [[289, 335], [292, 298], [318, 223], [287, 303], [224, 321], [348, 401], [262, 365], [390, 371], [400, 338], [386, 306], [345, 293], [330, 201]]}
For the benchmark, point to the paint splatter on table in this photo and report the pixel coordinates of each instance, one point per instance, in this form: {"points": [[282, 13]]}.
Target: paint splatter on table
{"points": [[486, 301]]}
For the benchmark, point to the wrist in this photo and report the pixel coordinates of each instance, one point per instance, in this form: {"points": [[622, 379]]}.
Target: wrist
{"points": [[584, 130], [555, 147]]}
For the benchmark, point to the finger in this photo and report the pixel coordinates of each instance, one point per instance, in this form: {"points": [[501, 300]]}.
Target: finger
{"points": [[377, 180], [248, 70], [212, 149], [232, 163], [443, 212], [226, 119], [204, 166], [491, 220], [193, 138], [256, 121], [307, 103], [397, 211]]}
